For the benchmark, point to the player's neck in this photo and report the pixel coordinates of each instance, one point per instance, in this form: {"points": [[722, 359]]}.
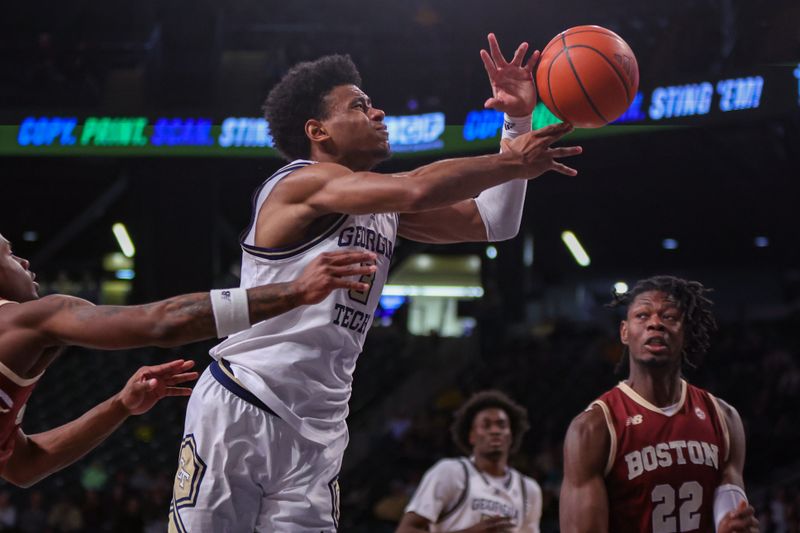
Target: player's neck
{"points": [[660, 387], [495, 468], [353, 163]]}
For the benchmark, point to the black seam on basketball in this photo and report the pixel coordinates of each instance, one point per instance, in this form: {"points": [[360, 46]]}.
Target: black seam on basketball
{"points": [[555, 109], [607, 33], [616, 70], [580, 83]]}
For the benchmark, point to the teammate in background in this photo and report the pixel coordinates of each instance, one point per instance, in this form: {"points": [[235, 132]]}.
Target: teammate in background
{"points": [[270, 432], [34, 331], [482, 493], [656, 454]]}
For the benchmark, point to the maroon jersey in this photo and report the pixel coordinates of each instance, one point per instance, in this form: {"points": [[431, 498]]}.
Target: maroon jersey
{"points": [[14, 394], [663, 469]]}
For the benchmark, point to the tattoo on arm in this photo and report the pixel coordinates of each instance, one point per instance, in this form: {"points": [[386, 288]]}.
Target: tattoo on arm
{"points": [[88, 313], [193, 312], [268, 301], [187, 317]]}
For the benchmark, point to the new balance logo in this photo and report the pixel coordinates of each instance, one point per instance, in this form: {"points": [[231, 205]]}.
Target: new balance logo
{"points": [[634, 420]]}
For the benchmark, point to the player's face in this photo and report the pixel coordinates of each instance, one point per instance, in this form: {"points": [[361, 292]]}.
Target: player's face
{"points": [[653, 330], [16, 280], [358, 135], [491, 433]]}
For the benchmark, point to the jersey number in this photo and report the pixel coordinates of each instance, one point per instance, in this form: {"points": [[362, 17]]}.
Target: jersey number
{"points": [[690, 497], [363, 296]]}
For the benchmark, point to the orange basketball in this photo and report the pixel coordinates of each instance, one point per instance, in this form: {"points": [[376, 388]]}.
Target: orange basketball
{"points": [[587, 76]]}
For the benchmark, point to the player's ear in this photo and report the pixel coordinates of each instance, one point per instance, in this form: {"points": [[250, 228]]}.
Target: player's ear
{"points": [[316, 131], [623, 332]]}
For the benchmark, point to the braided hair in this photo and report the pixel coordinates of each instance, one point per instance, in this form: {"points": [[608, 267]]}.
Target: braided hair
{"points": [[690, 296]]}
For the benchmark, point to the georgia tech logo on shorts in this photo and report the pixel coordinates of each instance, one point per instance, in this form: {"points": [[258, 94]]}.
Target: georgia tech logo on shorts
{"points": [[191, 470]]}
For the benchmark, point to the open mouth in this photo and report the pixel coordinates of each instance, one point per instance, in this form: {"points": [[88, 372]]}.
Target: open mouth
{"points": [[656, 341], [656, 344]]}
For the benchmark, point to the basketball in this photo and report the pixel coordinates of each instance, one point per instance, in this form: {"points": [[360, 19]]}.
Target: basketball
{"points": [[587, 76]]}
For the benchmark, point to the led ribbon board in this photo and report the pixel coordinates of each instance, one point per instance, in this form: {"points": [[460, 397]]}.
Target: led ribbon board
{"points": [[769, 92], [195, 136], [716, 100]]}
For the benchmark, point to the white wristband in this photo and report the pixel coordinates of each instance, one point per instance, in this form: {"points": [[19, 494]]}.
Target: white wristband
{"points": [[726, 499], [231, 312], [515, 126]]}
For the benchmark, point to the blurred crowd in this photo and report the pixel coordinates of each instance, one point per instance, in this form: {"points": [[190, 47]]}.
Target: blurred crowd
{"points": [[554, 370], [555, 373]]}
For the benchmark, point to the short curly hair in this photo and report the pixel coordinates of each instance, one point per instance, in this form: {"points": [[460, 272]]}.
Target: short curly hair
{"points": [[465, 416], [691, 298], [300, 96]]}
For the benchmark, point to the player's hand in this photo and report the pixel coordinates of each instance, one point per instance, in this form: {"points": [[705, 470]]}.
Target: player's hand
{"points": [[513, 90], [535, 153], [495, 524], [741, 520], [151, 383], [334, 270]]}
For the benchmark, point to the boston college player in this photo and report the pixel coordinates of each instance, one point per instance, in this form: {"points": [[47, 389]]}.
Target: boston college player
{"points": [[655, 454]]}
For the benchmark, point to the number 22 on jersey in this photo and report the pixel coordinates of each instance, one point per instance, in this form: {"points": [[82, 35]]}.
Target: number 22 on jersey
{"points": [[687, 518]]}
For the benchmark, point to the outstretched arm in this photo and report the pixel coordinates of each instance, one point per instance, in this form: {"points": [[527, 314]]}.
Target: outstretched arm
{"points": [[64, 320], [497, 212], [37, 456], [583, 507], [326, 188]]}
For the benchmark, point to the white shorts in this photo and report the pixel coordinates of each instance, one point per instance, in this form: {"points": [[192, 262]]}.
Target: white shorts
{"points": [[242, 469]]}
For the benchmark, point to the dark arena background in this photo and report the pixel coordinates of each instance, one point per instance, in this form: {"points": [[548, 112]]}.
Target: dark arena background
{"points": [[147, 114]]}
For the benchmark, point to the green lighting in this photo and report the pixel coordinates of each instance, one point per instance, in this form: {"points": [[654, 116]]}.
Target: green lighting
{"points": [[543, 117], [108, 131]]}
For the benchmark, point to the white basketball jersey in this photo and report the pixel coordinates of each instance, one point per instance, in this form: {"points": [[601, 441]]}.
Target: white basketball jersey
{"points": [[455, 495], [301, 363]]}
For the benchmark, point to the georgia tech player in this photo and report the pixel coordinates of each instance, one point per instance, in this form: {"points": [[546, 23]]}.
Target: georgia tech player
{"points": [[656, 454], [34, 332], [479, 494], [273, 467]]}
